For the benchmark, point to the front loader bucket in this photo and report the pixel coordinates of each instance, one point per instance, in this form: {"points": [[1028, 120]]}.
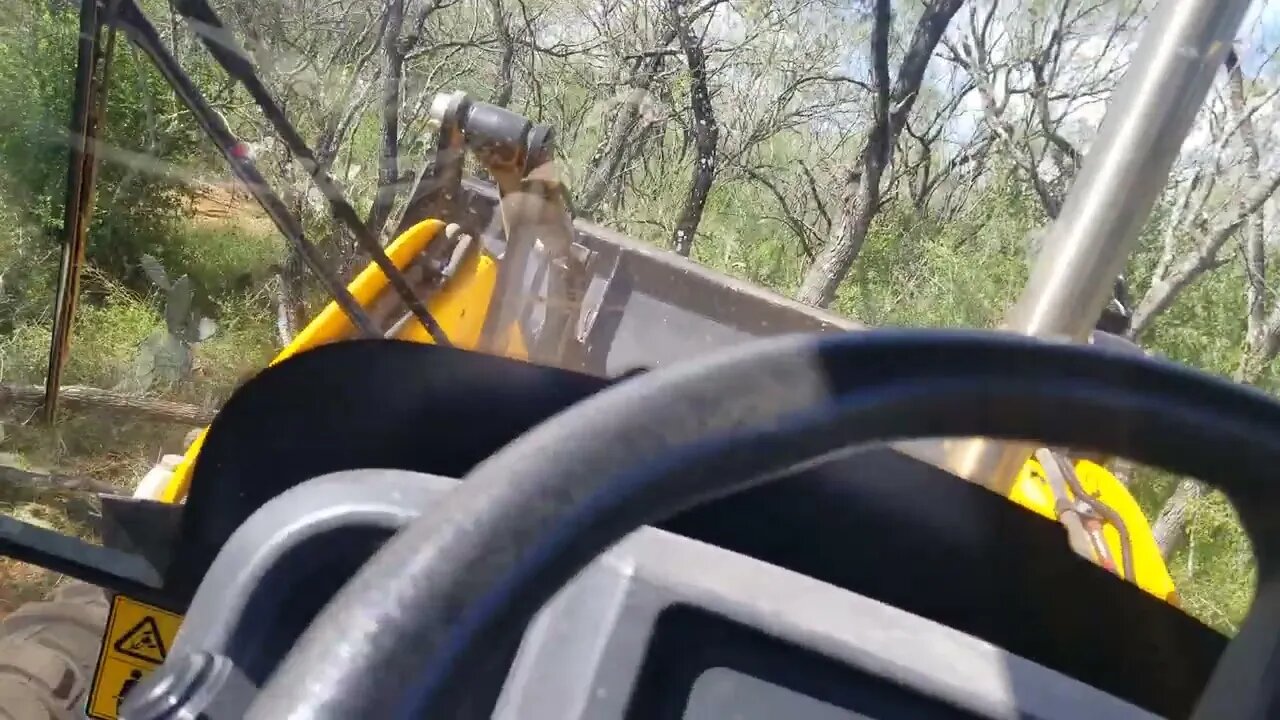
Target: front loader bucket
{"points": [[644, 306]]}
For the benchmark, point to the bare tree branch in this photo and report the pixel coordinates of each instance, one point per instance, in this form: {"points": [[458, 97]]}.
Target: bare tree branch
{"points": [[607, 160], [1203, 257], [1170, 525], [798, 227], [504, 85]]}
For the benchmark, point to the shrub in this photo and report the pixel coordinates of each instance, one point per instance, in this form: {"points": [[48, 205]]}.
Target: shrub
{"points": [[147, 135]]}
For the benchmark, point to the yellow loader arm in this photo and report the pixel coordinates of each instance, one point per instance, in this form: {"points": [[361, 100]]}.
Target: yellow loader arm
{"points": [[517, 154], [1034, 491], [460, 308]]}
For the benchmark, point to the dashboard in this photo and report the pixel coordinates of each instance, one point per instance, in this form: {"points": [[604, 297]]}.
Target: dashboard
{"points": [[660, 627], [873, 586], [722, 692], [703, 666], [667, 627]]}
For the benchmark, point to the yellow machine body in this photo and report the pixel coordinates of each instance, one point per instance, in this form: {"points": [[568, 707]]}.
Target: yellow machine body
{"points": [[1032, 491], [462, 305]]}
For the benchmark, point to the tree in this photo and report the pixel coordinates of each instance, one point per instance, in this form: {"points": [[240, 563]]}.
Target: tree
{"points": [[1034, 72], [1207, 215], [1262, 320], [861, 198], [606, 162], [706, 132]]}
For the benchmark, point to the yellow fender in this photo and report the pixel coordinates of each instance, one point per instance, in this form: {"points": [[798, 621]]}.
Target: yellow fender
{"points": [[1032, 491]]}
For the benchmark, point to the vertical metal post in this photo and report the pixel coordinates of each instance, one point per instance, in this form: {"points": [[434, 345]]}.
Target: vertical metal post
{"points": [[86, 107], [1123, 174]]}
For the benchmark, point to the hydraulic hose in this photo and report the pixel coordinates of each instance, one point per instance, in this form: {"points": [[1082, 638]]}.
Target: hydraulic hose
{"points": [[411, 629], [1108, 514]]}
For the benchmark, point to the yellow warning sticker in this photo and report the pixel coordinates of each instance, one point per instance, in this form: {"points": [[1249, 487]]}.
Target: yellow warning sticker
{"points": [[137, 640]]}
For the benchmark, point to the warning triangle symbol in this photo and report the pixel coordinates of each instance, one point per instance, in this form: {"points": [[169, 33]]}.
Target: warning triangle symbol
{"points": [[143, 642]]}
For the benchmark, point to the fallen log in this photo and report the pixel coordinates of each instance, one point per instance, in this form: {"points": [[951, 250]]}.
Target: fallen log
{"points": [[80, 397], [14, 477]]}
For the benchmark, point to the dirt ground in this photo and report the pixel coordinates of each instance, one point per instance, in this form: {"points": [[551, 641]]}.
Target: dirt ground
{"points": [[222, 204], [21, 583]]}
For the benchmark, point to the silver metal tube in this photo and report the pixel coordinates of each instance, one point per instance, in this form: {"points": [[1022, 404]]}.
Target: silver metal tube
{"points": [[1123, 174]]}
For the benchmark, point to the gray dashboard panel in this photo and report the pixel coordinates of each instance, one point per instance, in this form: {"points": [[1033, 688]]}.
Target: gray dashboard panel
{"points": [[582, 655], [723, 693], [280, 538]]}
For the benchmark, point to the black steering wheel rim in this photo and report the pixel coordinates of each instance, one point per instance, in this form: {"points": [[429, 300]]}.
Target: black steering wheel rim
{"points": [[471, 573]]}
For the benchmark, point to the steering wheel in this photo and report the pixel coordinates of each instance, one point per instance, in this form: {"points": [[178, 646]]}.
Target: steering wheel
{"points": [[468, 575]]}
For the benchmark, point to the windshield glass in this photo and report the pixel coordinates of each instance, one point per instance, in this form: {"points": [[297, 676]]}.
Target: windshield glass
{"points": [[619, 185]]}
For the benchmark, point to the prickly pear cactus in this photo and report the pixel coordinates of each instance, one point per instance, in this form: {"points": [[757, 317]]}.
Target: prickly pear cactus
{"points": [[166, 357]]}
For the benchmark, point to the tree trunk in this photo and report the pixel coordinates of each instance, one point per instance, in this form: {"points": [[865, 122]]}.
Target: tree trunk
{"points": [[706, 136], [607, 159], [832, 264], [1255, 255], [388, 161], [1163, 292], [285, 328], [76, 397], [861, 204], [1170, 526], [504, 88], [293, 289], [13, 477], [1260, 345]]}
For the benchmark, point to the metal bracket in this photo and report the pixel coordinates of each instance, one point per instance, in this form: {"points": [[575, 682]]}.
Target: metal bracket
{"points": [[538, 247]]}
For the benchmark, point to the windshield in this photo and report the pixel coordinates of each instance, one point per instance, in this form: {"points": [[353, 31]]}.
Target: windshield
{"points": [[632, 183]]}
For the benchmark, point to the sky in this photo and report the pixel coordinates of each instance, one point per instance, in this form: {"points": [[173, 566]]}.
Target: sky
{"points": [[1260, 32], [1258, 39]]}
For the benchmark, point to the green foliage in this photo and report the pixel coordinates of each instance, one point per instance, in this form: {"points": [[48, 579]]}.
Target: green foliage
{"points": [[735, 239], [27, 270], [1205, 329], [146, 132], [223, 259], [919, 271], [105, 338], [1214, 570]]}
